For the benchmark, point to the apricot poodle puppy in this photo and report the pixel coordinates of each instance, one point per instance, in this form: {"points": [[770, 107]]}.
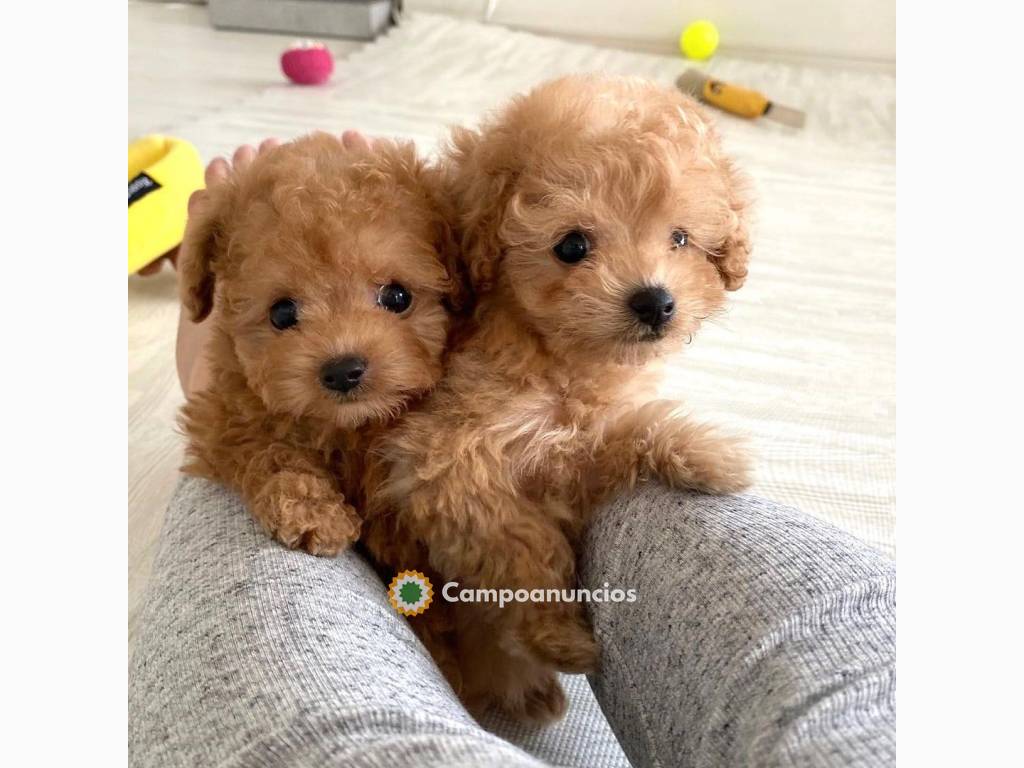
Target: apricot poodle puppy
{"points": [[600, 224], [331, 272]]}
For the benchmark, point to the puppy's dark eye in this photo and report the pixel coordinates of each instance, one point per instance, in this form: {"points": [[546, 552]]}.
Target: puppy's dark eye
{"points": [[284, 314], [394, 297], [679, 238], [572, 248]]}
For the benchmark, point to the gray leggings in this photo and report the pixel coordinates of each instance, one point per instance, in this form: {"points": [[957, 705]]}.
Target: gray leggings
{"points": [[759, 637]]}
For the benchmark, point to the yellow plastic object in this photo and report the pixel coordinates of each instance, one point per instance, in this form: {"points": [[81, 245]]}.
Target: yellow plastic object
{"points": [[740, 101], [162, 173], [699, 40]]}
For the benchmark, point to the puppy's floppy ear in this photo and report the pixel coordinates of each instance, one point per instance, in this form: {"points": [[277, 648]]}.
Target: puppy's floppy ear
{"points": [[481, 181], [732, 257], [205, 240], [459, 296]]}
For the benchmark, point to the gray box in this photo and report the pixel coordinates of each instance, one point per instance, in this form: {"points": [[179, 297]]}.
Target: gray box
{"points": [[360, 19]]}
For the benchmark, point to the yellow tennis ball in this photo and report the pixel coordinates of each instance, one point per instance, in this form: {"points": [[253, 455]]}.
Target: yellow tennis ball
{"points": [[699, 40]]}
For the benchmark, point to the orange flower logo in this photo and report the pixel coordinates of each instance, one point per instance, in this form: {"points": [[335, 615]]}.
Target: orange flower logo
{"points": [[410, 593]]}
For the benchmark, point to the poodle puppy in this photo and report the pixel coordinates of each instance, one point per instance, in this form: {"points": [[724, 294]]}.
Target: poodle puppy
{"points": [[332, 271], [600, 224]]}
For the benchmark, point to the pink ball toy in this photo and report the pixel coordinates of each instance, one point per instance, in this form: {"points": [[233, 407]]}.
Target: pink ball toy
{"points": [[308, 63]]}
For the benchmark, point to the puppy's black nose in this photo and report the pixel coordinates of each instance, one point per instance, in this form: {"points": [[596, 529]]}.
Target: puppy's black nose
{"points": [[654, 306], [342, 373]]}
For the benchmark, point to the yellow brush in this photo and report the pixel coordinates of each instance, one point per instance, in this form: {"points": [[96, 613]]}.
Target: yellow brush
{"points": [[736, 100]]}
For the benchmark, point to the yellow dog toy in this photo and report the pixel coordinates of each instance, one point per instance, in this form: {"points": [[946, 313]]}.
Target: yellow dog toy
{"points": [[162, 174]]}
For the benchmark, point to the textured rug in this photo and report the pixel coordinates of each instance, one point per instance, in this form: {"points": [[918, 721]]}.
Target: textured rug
{"points": [[805, 360]]}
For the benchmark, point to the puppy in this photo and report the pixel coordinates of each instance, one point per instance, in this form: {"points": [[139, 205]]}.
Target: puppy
{"points": [[331, 269], [600, 224]]}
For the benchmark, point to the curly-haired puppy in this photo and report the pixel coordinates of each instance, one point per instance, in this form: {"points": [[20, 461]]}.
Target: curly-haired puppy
{"points": [[330, 269], [600, 224]]}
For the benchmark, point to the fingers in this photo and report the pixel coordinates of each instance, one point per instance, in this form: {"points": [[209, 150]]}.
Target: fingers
{"points": [[195, 201], [219, 168], [268, 144], [355, 140], [217, 171], [243, 157]]}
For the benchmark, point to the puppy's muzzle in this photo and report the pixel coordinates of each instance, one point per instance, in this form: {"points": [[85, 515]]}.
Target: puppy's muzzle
{"points": [[342, 374], [653, 306]]}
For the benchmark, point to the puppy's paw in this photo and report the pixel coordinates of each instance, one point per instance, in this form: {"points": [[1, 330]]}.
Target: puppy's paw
{"points": [[304, 511], [543, 702], [546, 701], [562, 639], [707, 461], [535, 697]]}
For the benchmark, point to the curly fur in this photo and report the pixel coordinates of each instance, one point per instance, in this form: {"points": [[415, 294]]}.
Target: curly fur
{"points": [[325, 226], [547, 405]]}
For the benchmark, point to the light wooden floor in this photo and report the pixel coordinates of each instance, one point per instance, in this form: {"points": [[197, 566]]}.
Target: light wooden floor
{"points": [[179, 70]]}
